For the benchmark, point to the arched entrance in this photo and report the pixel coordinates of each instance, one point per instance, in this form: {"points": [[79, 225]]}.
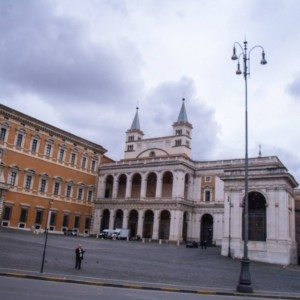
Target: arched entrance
{"points": [[109, 186], [132, 222], [257, 230], [105, 220], [118, 219], [167, 185], [207, 229], [151, 185], [185, 226], [136, 186], [148, 224], [122, 186], [164, 225]]}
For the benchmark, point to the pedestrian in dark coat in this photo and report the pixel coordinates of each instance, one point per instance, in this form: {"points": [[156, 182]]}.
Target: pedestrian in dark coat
{"points": [[79, 256]]}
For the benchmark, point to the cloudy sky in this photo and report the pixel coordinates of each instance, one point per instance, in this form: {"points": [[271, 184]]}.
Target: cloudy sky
{"points": [[85, 65]]}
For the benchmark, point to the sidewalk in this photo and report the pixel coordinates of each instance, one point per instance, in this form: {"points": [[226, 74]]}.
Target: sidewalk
{"points": [[142, 285]]}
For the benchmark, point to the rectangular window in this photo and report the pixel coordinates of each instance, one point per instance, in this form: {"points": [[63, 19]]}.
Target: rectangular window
{"points": [[43, 185], [207, 196], [2, 134], [56, 188], [19, 140], [207, 179], [69, 189], [34, 145], [80, 190], [28, 182], [7, 213], [38, 217], [73, 158], [87, 223], [90, 195], [52, 218], [83, 164], [23, 215], [61, 155], [65, 221], [94, 165], [76, 221], [48, 150], [12, 179], [177, 142]]}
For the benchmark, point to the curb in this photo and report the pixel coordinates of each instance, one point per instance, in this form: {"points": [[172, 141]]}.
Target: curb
{"points": [[145, 287]]}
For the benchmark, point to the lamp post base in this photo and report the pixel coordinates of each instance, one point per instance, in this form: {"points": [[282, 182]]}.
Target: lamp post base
{"points": [[244, 285]]}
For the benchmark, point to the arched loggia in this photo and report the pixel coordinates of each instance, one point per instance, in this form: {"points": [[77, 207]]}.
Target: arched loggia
{"points": [[257, 230]]}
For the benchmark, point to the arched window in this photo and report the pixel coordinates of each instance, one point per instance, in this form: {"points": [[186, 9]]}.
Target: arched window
{"points": [[151, 185], [152, 154]]}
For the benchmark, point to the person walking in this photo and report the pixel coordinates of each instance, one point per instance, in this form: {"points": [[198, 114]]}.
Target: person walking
{"points": [[79, 256]]}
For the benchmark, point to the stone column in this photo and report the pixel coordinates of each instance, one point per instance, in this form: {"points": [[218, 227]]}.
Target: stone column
{"points": [[111, 218], [272, 204], [115, 187], [125, 218], [176, 225], [96, 221], [140, 223], [233, 214], [128, 186], [283, 215], [156, 224], [189, 226], [178, 184], [144, 186], [101, 187], [158, 191], [1, 204]]}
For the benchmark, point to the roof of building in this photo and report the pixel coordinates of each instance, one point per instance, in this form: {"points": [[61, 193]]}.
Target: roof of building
{"points": [[136, 122], [182, 117], [12, 113]]}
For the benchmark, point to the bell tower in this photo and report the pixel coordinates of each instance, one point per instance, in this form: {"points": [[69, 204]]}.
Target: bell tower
{"points": [[133, 135], [182, 130]]}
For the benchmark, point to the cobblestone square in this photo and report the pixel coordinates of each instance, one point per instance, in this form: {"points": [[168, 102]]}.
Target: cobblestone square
{"points": [[140, 262]]}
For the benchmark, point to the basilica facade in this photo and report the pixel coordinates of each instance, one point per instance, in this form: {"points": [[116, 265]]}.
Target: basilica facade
{"points": [[161, 194]]}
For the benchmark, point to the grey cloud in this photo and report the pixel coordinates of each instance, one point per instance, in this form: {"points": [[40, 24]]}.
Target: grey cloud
{"points": [[288, 158], [294, 87], [46, 54], [162, 108]]}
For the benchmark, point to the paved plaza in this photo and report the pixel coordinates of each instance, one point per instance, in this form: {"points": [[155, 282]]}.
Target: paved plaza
{"points": [[140, 262]]}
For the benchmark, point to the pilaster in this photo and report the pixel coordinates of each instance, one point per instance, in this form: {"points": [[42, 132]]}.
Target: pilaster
{"points": [[143, 186], [158, 191], [115, 187], [111, 218], [128, 186], [140, 223], [156, 224], [125, 218]]}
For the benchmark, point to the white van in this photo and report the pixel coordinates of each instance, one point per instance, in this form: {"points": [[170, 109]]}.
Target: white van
{"points": [[121, 234]]}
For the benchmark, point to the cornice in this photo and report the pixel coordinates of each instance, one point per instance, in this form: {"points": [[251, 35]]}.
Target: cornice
{"points": [[52, 130]]}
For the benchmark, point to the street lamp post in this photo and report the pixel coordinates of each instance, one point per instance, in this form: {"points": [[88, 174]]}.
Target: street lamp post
{"points": [[244, 284], [229, 228], [46, 236]]}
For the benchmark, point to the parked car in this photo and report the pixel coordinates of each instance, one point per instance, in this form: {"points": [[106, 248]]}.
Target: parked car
{"points": [[192, 244], [106, 234], [70, 232]]}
